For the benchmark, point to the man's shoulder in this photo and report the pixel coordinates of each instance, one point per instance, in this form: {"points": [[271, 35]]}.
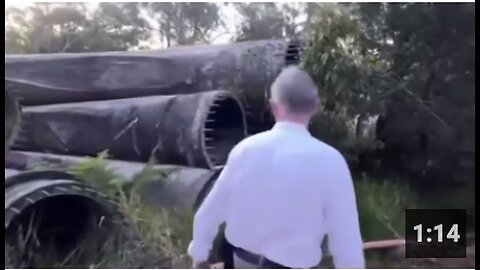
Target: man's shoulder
{"points": [[325, 149], [254, 140]]}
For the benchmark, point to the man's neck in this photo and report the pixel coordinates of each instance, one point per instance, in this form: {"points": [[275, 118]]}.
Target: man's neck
{"points": [[295, 120]]}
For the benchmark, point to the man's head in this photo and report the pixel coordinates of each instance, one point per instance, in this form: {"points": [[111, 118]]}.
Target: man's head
{"points": [[294, 96]]}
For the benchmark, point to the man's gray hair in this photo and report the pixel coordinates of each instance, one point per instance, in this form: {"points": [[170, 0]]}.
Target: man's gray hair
{"points": [[295, 89]]}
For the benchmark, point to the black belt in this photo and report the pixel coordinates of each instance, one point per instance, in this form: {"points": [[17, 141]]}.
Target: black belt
{"points": [[257, 259]]}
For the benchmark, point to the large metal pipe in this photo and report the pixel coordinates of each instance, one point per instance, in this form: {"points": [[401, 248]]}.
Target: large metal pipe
{"points": [[247, 68], [12, 117], [177, 187], [67, 205], [180, 188], [195, 130], [51, 213]]}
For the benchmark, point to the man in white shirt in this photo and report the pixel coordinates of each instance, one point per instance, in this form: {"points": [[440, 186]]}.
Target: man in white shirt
{"points": [[282, 191]]}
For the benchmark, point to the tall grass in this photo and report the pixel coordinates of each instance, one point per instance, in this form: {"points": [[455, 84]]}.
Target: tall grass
{"points": [[381, 206], [456, 197], [163, 234]]}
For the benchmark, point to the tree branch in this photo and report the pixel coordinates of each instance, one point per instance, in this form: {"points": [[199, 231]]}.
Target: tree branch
{"points": [[68, 44]]}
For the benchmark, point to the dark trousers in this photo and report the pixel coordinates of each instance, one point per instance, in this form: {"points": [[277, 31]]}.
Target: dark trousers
{"points": [[228, 250], [226, 253]]}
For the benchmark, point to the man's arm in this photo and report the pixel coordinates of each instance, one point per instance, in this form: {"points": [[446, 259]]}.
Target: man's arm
{"points": [[344, 239], [212, 212]]}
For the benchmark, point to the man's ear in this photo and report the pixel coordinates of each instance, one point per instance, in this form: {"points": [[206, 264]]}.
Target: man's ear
{"points": [[317, 108]]}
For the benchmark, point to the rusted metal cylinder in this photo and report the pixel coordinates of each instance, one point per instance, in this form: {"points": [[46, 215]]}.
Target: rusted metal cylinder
{"points": [[176, 186], [246, 68], [58, 211], [12, 117], [195, 130]]}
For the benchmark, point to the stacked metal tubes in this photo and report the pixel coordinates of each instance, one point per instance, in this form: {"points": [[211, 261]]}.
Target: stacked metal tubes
{"points": [[185, 108]]}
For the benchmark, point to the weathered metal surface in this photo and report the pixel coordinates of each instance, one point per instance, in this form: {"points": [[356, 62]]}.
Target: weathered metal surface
{"points": [[25, 189], [25, 193], [176, 186], [56, 202], [247, 68], [195, 130], [12, 117], [10, 172], [51, 212]]}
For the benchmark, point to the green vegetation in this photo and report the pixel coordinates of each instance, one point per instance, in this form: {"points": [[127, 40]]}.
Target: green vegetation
{"points": [[381, 206], [366, 60], [163, 234]]}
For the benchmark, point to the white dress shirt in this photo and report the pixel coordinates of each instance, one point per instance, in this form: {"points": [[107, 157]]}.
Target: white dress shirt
{"points": [[280, 193]]}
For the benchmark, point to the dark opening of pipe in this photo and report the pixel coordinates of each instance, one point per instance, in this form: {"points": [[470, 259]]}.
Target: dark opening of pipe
{"points": [[224, 128], [54, 229]]}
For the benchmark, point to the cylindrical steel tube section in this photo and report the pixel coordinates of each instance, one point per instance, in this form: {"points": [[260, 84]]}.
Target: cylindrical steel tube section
{"points": [[56, 210], [195, 130], [74, 77], [179, 187], [246, 68]]}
